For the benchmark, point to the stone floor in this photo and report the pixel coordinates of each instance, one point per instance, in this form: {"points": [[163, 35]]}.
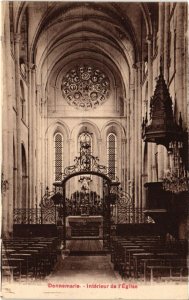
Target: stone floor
{"points": [[85, 245], [96, 265], [79, 268]]}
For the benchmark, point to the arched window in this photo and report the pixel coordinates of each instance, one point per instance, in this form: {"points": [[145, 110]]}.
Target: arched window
{"points": [[58, 144], [85, 143], [112, 155], [85, 149]]}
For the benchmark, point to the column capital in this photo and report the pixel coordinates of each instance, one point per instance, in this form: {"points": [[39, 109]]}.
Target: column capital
{"points": [[17, 37], [31, 66], [134, 66], [38, 87], [137, 65], [149, 39]]}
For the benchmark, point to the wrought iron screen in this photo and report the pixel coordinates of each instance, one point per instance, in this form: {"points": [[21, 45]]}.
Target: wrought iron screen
{"points": [[27, 216], [125, 211], [48, 210]]}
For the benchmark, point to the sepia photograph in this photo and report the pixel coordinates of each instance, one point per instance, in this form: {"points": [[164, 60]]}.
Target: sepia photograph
{"points": [[94, 150]]}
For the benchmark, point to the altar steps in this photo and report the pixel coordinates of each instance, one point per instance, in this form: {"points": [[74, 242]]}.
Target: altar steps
{"points": [[84, 238], [86, 247], [88, 253]]}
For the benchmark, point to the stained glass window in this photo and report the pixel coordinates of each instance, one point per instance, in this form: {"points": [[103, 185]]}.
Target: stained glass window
{"points": [[85, 149], [85, 142], [112, 155], [85, 87], [58, 142]]}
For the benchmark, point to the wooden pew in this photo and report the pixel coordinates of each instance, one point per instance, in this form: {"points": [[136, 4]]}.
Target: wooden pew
{"points": [[38, 255], [127, 253]]}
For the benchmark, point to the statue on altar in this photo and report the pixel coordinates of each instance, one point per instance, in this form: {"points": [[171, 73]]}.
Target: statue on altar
{"points": [[85, 185]]}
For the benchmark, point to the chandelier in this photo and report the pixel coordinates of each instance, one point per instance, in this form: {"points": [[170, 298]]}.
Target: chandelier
{"points": [[176, 179]]}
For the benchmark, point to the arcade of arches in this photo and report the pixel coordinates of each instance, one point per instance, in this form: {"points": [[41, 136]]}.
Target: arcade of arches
{"points": [[104, 80]]}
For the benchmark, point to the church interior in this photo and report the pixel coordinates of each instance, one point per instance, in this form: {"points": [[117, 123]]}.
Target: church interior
{"points": [[94, 166]]}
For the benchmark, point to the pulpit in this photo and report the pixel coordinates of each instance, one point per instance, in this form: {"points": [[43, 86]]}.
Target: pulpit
{"points": [[84, 227]]}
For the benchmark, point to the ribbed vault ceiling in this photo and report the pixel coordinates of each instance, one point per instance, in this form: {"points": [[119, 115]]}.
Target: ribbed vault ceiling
{"points": [[108, 34]]}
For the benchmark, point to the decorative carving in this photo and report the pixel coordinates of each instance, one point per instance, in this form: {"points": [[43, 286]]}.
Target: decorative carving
{"points": [[85, 87], [48, 209], [17, 37], [27, 216], [165, 131], [82, 203], [86, 163], [123, 210], [163, 127], [176, 177]]}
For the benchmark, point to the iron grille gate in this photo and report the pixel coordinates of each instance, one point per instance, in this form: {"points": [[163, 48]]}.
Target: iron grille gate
{"points": [[106, 213], [48, 209], [117, 205]]}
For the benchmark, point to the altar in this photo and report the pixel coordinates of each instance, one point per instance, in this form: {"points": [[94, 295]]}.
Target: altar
{"points": [[84, 226]]}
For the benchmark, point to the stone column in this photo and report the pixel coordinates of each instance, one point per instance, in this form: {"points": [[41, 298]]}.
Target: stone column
{"points": [[161, 159], [128, 142], [166, 68], [40, 151], [116, 99], [68, 162], [18, 119], [150, 93], [43, 146], [144, 145], [163, 155], [7, 135], [32, 128], [161, 29], [35, 134], [180, 61], [38, 140], [55, 97], [99, 153], [123, 163], [139, 138], [132, 141], [135, 137], [166, 42], [185, 66]]}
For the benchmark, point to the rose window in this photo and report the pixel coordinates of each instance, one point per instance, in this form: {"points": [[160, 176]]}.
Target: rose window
{"points": [[85, 87]]}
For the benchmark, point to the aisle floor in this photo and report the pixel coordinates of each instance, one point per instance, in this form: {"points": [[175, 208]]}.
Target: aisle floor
{"points": [[85, 245], [80, 268]]}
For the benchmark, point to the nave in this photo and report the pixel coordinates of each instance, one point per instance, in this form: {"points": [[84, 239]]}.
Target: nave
{"points": [[143, 258], [94, 143], [134, 264]]}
